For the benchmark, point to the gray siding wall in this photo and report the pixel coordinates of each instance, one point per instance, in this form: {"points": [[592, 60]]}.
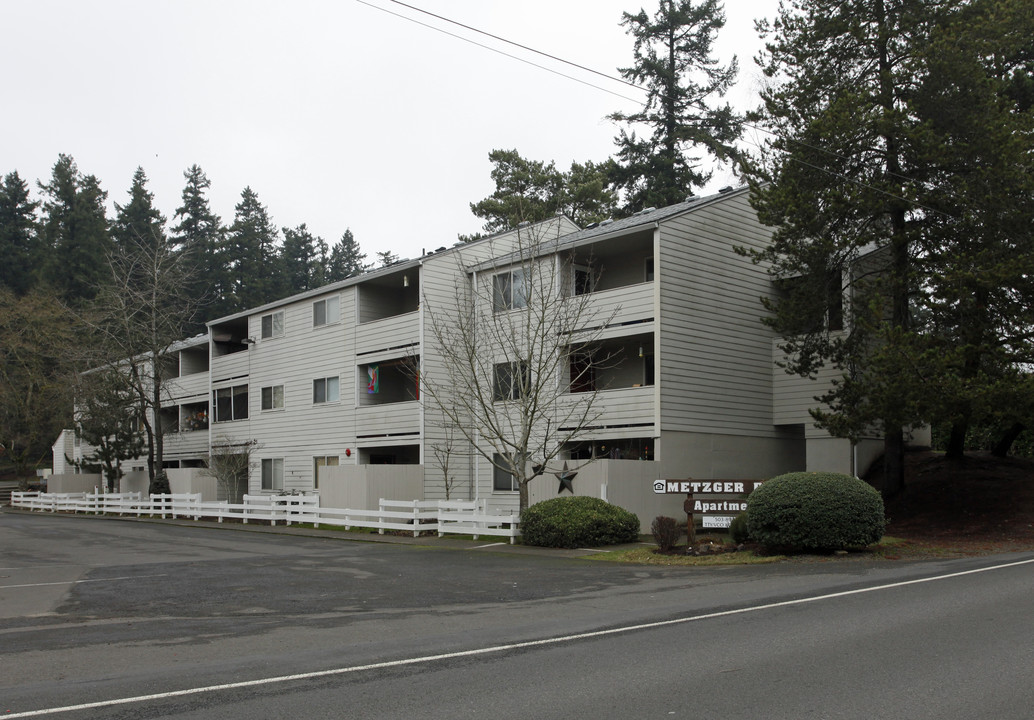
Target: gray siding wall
{"points": [[715, 353], [301, 430]]}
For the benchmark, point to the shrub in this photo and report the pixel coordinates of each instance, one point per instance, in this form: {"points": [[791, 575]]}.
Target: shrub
{"points": [[815, 511], [738, 529], [577, 522], [666, 532]]}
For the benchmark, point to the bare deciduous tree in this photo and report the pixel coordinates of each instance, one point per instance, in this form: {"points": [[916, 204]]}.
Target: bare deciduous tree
{"points": [[230, 464], [499, 363], [137, 319]]}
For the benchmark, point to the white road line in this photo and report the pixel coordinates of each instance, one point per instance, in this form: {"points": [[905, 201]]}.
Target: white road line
{"points": [[76, 582], [495, 648], [482, 547]]}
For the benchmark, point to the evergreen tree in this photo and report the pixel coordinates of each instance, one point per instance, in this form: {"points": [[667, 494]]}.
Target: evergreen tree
{"points": [[200, 233], [673, 61], [250, 255], [882, 118], [346, 259], [75, 232], [531, 190], [138, 220], [299, 260], [19, 239], [387, 257]]}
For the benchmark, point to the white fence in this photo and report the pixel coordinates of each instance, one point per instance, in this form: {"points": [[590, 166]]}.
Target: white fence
{"points": [[416, 516]]}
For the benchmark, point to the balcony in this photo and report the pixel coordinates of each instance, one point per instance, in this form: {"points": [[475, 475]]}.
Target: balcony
{"points": [[621, 310], [624, 412], [387, 334], [391, 422]]}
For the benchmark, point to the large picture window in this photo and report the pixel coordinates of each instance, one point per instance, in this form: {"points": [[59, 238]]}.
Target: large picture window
{"points": [[326, 312], [273, 474], [325, 390], [231, 403], [510, 289]]}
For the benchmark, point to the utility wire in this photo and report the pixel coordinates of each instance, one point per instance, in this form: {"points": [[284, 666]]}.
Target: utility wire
{"points": [[695, 104], [496, 50]]}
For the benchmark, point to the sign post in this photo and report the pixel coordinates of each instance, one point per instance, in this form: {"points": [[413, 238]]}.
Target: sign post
{"points": [[691, 533]]}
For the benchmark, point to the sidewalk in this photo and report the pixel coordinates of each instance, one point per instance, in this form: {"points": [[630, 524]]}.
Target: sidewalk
{"points": [[484, 544]]}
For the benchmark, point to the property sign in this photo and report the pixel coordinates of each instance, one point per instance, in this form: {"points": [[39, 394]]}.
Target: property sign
{"points": [[705, 487]]}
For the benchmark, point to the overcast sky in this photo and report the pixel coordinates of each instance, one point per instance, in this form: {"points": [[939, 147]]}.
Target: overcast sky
{"points": [[336, 113]]}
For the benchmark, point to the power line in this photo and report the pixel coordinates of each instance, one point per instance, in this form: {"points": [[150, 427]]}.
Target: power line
{"points": [[497, 50], [697, 104]]}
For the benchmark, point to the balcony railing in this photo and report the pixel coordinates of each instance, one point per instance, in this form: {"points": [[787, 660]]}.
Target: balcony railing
{"points": [[390, 420], [393, 332]]}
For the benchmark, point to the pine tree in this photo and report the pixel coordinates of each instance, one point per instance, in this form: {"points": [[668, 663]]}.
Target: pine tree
{"points": [[250, 255], [674, 62], [19, 239], [298, 260], [873, 181], [531, 190], [138, 220], [346, 259], [386, 258], [200, 234], [75, 232]]}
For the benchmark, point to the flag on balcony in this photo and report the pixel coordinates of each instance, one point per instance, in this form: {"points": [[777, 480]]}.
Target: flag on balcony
{"points": [[374, 386]]}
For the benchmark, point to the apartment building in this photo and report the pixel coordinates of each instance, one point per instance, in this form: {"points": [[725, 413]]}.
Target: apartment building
{"points": [[690, 389]]}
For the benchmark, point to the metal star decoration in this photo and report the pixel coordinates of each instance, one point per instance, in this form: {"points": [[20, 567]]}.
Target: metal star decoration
{"points": [[566, 478]]}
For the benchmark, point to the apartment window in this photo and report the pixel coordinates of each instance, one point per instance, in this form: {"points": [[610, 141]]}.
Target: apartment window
{"points": [[648, 270], [325, 390], [503, 480], [512, 381], [273, 325], [273, 397], [510, 290], [326, 312], [273, 474], [231, 403], [322, 461], [649, 378], [582, 280]]}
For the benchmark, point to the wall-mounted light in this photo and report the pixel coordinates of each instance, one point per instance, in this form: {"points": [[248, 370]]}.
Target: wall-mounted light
{"points": [[405, 281], [641, 353]]}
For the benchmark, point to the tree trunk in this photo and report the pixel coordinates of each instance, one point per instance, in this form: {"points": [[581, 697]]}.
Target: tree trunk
{"points": [[893, 463], [524, 494], [1004, 444], [956, 448]]}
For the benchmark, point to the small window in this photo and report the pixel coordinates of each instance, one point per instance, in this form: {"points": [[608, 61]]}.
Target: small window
{"points": [[273, 397], [325, 390], [510, 290], [231, 403], [322, 461], [503, 480], [649, 377], [326, 312], [648, 270], [511, 381], [273, 474], [582, 280], [273, 325]]}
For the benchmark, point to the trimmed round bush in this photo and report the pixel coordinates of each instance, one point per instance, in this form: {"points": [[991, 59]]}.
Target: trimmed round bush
{"points": [[815, 511], [570, 522]]}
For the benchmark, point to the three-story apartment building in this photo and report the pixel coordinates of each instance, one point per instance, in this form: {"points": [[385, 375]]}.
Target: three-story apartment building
{"points": [[332, 377]]}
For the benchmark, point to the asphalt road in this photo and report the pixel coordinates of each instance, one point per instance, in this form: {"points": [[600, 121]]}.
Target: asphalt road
{"points": [[103, 618]]}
